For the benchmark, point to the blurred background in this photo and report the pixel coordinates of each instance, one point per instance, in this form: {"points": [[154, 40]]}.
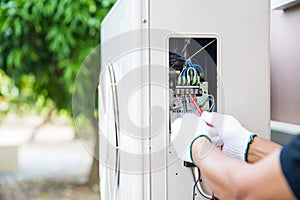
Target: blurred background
{"points": [[42, 46]]}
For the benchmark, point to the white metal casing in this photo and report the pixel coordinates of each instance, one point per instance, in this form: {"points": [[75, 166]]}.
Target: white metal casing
{"points": [[242, 29]]}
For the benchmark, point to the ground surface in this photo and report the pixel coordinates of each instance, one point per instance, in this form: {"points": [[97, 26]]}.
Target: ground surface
{"points": [[42, 189], [55, 166]]}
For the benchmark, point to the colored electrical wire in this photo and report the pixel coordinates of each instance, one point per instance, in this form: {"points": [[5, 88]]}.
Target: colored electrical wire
{"points": [[213, 196], [210, 98], [181, 73], [200, 67], [187, 42], [188, 63], [188, 68], [182, 56], [184, 46], [202, 103], [213, 108], [190, 59]]}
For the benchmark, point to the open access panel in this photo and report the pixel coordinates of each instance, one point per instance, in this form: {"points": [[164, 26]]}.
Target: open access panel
{"points": [[192, 73], [193, 69]]}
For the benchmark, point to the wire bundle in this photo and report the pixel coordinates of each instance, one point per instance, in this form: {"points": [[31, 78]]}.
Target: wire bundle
{"points": [[190, 74]]}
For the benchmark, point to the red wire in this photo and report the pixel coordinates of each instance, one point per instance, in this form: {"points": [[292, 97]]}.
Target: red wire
{"points": [[179, 51], [213, 196]]}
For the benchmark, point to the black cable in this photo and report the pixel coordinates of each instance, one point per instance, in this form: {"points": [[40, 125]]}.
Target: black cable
{"points": [[196, 184], [194, 188], [199, 178]]}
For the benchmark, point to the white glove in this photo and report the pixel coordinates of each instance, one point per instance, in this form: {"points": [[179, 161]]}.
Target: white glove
{"points": [[236, 138], [184, 131]]}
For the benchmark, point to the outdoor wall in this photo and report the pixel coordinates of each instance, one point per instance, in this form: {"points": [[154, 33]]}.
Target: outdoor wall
{"points": [[285, 65]]}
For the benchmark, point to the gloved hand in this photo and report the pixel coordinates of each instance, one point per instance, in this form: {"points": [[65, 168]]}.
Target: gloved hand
{"points": [[235, 137], [184, 131]]}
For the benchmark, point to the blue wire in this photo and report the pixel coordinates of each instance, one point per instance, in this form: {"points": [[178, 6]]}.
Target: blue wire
{"points": [[190, 63], [202, 102], [201, 68], [177, 54], [213, 108], [183, 50], [208, 99], [188, 67], [185, 58]]}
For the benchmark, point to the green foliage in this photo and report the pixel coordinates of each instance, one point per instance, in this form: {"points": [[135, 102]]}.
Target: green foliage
{"points": [[43, 43], [8, 90]]}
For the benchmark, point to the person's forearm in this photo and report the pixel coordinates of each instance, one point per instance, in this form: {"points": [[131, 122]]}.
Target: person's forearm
{"points": [[260, 148], [216, 166], [235, 179]]}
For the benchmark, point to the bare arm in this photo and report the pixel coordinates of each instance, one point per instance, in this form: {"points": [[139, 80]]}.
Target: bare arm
{"points": [[234, 179], [260, 148]]}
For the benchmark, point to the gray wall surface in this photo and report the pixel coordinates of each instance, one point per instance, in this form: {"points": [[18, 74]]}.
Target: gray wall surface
{"points": [[285, 65]]}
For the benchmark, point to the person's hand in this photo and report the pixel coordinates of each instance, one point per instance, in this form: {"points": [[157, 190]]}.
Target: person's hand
{"points": [[235, 137], [184, 131]]}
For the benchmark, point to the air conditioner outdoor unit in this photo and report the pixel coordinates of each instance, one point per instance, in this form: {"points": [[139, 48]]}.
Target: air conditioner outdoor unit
{"points": [[154, 54]]}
